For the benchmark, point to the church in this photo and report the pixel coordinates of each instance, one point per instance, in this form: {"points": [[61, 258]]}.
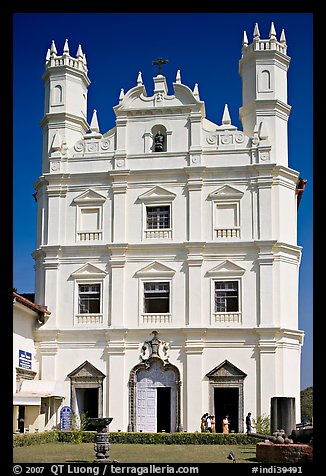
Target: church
{"points": [[166, 249]]}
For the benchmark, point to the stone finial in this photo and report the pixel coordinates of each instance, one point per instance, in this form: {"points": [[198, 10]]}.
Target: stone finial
{"points": [[196, 91], [226, 119], [272, 32], [66, 48], [47, 58], [84, 59], [282, 38], [122, 94], [256, 32], [80, 52], [178, 77], [94, 127], [53, 50], [139, 79], [245, 39]]}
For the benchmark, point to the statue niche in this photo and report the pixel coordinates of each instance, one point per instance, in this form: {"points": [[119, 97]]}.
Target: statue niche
{"points": [[158, 142]]}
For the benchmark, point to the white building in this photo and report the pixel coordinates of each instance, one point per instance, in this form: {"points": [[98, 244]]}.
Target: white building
{"points": [[171, 272], [35, 401]]}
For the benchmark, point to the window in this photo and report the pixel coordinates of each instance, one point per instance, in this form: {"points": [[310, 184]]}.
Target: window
{"points": [[226, 296], [89, 298], [157, 297], [157, 217]]}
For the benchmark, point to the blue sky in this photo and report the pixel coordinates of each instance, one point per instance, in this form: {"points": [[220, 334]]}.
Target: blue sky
{"points": [[206, 47]]}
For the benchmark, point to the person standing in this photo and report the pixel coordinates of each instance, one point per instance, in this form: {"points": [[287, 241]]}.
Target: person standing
{"points": [[248, 423], [208, 427], [203, 422], [225, 424], [213, 424]]}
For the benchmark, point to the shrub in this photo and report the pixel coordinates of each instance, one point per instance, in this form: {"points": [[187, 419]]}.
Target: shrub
{"points": [[73, 436], [28, 439], [262, 424]]}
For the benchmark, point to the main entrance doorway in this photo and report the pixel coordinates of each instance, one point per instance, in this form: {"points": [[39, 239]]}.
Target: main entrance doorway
{"points": [[226, 402], [156, 399]]}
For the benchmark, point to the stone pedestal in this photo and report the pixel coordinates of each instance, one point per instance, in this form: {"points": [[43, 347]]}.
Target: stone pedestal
{"points": [[101, 440]]}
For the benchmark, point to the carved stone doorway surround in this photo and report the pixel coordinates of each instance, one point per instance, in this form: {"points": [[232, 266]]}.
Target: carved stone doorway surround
{"points": [[86, 376], [151, 355], [227, 375]]}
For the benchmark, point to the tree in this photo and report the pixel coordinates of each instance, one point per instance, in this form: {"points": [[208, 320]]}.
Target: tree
{"points": [[306, 399]]}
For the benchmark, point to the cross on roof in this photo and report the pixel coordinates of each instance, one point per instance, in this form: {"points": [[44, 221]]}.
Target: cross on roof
{"points": [[159, 62]]}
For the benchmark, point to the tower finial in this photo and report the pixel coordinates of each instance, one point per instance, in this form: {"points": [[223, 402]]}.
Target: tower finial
{"points": [[272, 32], [139, 79], [178, 77], [256, 32], [226, 119], [196, 91], [94, 127], [53, 50], [47, 58], [122, 94], [66, 48], [282, 38], [80, 53], [245, 39]]}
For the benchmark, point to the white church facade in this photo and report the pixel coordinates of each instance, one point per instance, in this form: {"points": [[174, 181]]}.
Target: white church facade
{"points": [[167, 249]]}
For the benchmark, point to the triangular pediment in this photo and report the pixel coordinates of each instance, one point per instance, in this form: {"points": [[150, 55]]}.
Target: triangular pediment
{"points": [[226, 192], [155, 269], [157, 193], [89, 196], [88, 270], [227, 268], [226, 369], [86, 370]]}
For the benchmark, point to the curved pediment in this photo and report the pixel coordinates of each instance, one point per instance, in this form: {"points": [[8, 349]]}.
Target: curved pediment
{"points": [[136, 98]]}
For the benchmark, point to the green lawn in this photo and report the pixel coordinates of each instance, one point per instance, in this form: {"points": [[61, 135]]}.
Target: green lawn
{"points": [[84, 452]]}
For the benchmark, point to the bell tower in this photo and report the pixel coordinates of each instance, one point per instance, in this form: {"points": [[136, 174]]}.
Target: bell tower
{"points": [[263, 69], [65, 102]]}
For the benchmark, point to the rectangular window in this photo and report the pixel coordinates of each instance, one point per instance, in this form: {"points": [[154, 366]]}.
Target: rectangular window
{"points": [[226, 296], [157, 217], [156, 297], [89, 298]]}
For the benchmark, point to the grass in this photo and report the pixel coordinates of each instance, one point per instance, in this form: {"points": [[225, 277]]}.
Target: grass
{"points": [[123, 453]]}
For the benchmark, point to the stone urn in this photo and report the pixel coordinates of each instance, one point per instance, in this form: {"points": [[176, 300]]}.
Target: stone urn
{"points": [[101, 440]]}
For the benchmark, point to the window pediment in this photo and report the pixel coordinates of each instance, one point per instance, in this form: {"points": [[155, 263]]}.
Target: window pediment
{"points": [[157, 194], [155, 269], [226, 369], [88, 270], [227, 268], [89, 196], [226, 192]]}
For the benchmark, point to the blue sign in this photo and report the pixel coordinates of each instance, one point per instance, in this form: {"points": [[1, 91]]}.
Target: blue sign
{"points": [[25, 360], [66, 418]]}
